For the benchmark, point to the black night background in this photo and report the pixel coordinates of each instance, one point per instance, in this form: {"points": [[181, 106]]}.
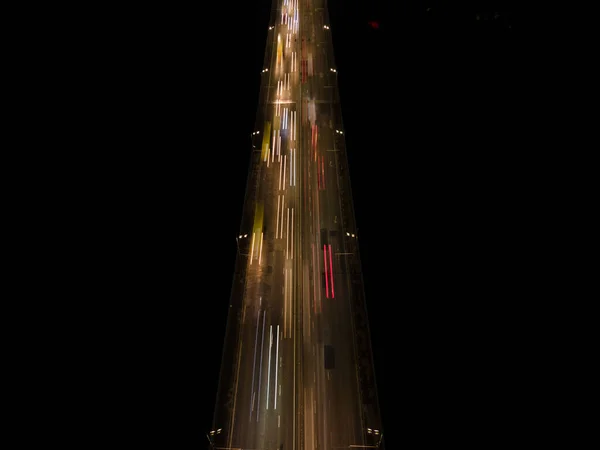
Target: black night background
{"points": [[430, 100]]}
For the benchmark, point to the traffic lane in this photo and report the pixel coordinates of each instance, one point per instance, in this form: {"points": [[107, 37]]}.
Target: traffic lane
{"points": [[269, 400], [321, 378], [242, 388], [342, 382], [272, 395], [337, 312], [263, 301], [274, 428], [310, 385]]}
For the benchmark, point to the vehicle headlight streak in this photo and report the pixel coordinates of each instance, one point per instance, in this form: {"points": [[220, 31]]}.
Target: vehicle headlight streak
{"points": [[280, 170], [282, 203], [276, 366], [287, 301], [252, 248], [254, 361], [262, 343], [260, 248], [278, 206], [273, 145], [284, 160], [269, 364], [278, 146], [287, 236], [292, 153]]}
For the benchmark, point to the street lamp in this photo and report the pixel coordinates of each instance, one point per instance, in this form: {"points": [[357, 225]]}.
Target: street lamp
{"points": [[377, 434], [211, 434], [237, 241]]}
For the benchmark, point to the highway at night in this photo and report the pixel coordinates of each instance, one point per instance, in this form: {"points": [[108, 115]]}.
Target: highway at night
{"points": [[291, 377]]}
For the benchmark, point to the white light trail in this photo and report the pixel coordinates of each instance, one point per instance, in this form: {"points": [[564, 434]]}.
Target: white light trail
{"points": [[285, 296], [254, 363], [276, 364], [291, 164], [280, 168], [282, 203], [294, 167], [292, 233], [252, 248], [262, 343], [260, 249], [284, 159], [269, 365], [274, 145], [278, 146], [290, 317], [278, 202], [287, 236]]}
